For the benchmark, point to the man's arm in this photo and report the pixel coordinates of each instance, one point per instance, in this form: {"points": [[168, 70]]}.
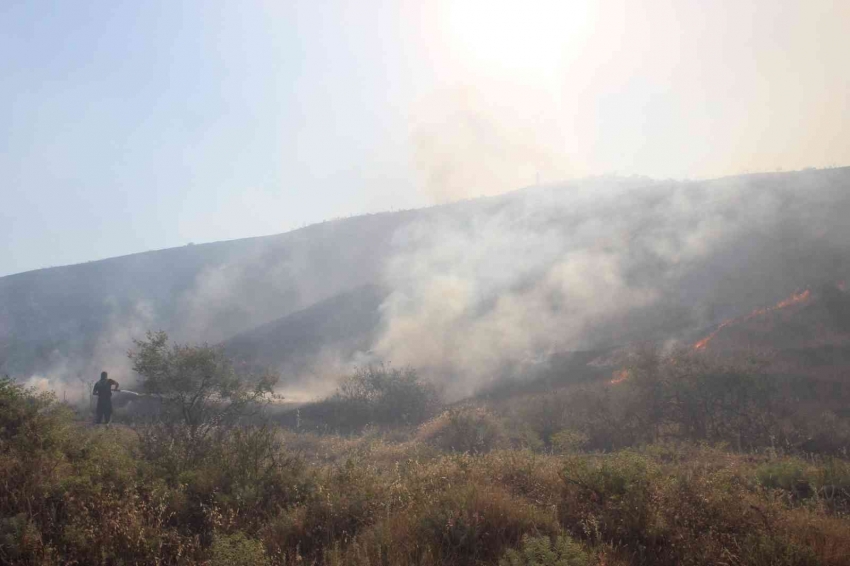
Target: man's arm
{"points": [[115, 383]]}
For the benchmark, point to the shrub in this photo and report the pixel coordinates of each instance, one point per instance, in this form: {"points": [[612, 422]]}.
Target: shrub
{"points": [[788, 474], [616, 476], [375, 395], [695, 512], [832, 479], [465, 429], [568, 441], [199, 386], [827, 480], [824, 433], [769, 550], [31, 421], [345, 500], [75, 495], [602, 415], [474, 524], [542, 551], [524, 474], [245, 474], [237, 550], [615, 497], [545, 414]]}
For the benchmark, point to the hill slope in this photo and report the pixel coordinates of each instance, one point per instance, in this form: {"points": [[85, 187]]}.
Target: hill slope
{"points": [[470, 292], [316, 341], [79, 317]]}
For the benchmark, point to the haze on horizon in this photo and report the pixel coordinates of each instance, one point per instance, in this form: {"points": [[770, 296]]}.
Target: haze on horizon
{"points": [[130, 126]]}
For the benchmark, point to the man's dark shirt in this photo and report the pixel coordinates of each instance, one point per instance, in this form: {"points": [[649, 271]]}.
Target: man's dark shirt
{"points": [[103, 390]]}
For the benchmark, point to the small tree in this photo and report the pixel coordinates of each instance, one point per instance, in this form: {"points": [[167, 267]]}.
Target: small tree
{"points": [[199, 386], [376, 395], [465, 429], [390, 395]]}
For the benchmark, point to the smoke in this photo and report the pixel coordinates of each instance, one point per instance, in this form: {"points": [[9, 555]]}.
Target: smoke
{"points": [[494, 287], [317, 378], [110, 351], [71, 376], [64, 390], [470, 292], [469, 143], [68, 324], [261, 280]]}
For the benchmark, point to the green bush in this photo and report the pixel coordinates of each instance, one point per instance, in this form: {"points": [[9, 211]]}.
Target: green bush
{"points": [[824, 433], [788, 474], [698, 511], [761, 549], [542, 551], [568, 441], [375, 395], [75, 493], [545, 414], [615, 496], [237, 550], [30, 421], [832, 479], [465, 429], [624, 474], [474, 524], [198, 385], [344, 500], [601, 416], [826, 480]]}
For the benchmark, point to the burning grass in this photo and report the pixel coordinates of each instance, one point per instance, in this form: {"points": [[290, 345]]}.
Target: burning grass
{"points": [[796, 298]]}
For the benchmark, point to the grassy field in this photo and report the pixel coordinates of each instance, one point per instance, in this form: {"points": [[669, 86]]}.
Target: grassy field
{"points": [[465, 487]]}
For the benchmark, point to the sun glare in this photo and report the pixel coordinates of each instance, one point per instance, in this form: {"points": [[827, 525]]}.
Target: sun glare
{"points": [[528, 38]]}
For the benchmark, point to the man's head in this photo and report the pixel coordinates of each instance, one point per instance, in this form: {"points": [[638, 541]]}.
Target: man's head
{"points": [[103, 376]]}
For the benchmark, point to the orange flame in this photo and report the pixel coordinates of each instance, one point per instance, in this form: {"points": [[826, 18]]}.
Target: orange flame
{"points": [[619, 377], [794, 299], [701, 345]]}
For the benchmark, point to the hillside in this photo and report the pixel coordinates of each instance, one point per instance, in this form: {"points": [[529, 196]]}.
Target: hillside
{"points": [[535, 422], [471, 293], [491, 292], [805, 337], [76, 318], [317, 341]]}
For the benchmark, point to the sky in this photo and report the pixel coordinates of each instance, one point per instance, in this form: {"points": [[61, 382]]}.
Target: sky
{"points": [[128, 126]]}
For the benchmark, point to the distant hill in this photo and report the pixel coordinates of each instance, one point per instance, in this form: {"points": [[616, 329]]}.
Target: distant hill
{"points": [[77, 318], [317, 338], [541, 281]]}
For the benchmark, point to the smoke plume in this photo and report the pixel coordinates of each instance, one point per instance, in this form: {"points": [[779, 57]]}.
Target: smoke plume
{"points": [[496, 286]]}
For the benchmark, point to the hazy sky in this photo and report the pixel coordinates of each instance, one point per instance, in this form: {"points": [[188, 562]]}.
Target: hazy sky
{"points": [[127, 126]]}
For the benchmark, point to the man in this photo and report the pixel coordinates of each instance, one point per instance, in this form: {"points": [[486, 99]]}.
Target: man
{"points": [[103, 390]]}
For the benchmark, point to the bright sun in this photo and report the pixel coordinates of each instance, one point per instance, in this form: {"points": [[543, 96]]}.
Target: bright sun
{"points": [[528, 38]]}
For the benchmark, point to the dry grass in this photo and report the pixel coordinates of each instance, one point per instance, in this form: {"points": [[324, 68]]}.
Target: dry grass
{"points": [[76, 494]]}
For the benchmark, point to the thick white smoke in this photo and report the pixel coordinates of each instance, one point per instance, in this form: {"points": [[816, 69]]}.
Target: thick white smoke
{"points": [[71, 377], [497, 285]]}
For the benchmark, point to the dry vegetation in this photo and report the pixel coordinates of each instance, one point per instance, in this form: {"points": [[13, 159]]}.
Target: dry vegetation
{"points": [[592, 476]]}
